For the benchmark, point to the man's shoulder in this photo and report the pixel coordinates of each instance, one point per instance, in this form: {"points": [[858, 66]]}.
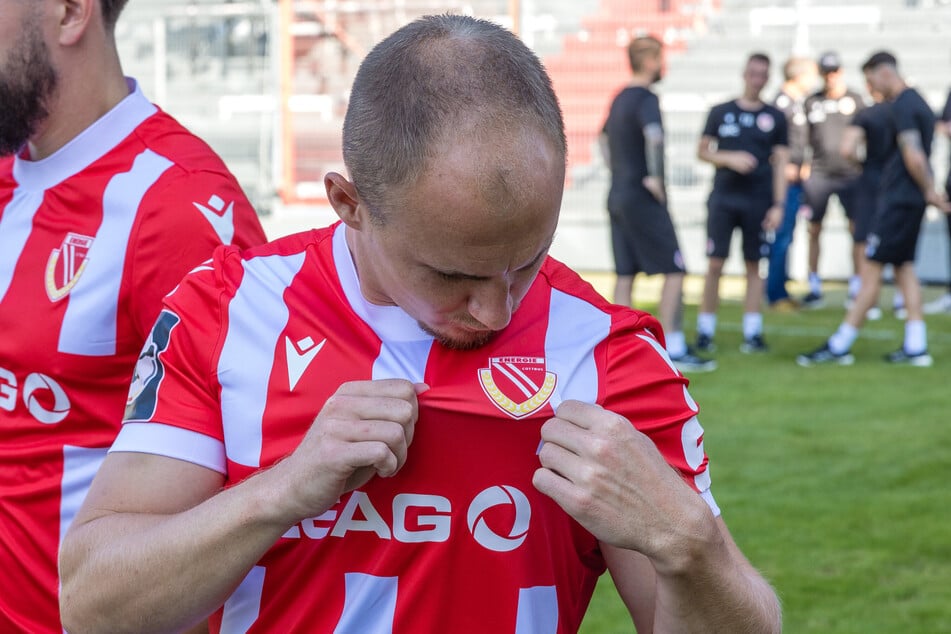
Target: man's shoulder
{"points": [[164, 135]]}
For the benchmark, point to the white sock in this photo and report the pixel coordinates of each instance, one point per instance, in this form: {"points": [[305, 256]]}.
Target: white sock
{"points": [[707, 324], [843, 338], [898, 300], [752, 324], [916, 337], [815, 284], [676, 344], [855, 283]]}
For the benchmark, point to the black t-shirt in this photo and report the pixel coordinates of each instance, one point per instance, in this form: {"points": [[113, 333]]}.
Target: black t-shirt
{"points": [[876, 121], [632, 110], [828, 119], [909, 112], [798, 127], [753, 131]]}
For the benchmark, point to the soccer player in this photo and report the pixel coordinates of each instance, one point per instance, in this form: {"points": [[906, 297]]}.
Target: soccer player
{"points": [[413, 420], [829, 111], [642, 233], [105, 203], [746, 139], [906, 189], [867, 142], [943, 303], [799, 75]]}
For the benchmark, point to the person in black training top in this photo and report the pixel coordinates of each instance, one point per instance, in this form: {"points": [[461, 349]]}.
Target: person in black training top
{"points": [[642, 234], [829, 111], [943, 303], [907, 188], [867, 142], [746, 140]]}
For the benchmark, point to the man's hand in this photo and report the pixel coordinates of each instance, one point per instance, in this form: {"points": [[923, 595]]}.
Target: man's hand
{"points": [[740, 161], [363, 430], [655, 186], [611, 479], [774, 217], [938, 200]]}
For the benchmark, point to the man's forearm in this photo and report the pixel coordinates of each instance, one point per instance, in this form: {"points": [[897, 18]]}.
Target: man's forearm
{"points": [[719, 591], [158, 573]]}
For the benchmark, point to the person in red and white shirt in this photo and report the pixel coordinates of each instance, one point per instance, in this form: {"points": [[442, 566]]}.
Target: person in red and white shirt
{"points": [[106, 202], [413, 420]]}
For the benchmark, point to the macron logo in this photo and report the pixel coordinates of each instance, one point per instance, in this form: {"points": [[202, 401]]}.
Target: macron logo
{"points": [[221, 219], [299, 356]]}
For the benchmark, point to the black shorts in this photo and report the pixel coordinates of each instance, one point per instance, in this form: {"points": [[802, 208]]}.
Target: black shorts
{"points": [[818, 188], [864, 203], [893, 237], [643, 238], [726, 214]]}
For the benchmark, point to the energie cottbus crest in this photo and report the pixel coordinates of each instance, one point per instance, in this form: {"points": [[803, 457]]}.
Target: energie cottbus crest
{"points": [[518, 386], [66, 264]]}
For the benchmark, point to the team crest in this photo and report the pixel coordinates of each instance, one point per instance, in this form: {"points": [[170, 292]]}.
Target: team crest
{"points": [[66, 264], [519, 386]]}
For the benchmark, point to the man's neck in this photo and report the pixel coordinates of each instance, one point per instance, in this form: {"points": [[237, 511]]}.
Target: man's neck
{"points": [[84, 95]]}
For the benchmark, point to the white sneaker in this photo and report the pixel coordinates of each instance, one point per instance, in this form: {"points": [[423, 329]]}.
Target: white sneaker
{"points": [[940, 305]]}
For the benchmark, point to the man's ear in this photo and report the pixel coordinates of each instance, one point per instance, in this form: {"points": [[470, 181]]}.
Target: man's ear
{"points": [[343, 197], [75, 18]]}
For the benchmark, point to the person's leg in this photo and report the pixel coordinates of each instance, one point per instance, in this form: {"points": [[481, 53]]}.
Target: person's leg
{"points": [[670, 309], [943, 303], [817, 192], [778, 269], [624, 290]]}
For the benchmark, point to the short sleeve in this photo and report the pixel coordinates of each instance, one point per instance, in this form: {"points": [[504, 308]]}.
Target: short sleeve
{"points": [[710, 127], [649, 111], [182, 219]]}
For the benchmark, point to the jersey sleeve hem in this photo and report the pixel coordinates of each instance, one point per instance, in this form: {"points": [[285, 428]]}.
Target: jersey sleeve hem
{"points": [[707, 496], [172, 442]]}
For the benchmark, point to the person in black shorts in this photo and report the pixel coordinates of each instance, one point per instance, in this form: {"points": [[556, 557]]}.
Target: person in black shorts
{"points": [[642, 233], [867, 142], [746, 139], [907, 188], [829, 111], [943, 303]]}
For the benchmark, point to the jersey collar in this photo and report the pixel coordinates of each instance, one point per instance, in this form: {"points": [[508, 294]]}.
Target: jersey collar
{"points": [[89, 146], [390, 323]]}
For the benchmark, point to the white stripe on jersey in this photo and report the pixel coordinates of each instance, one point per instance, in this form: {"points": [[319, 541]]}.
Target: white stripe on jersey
{"points": [[16, 223], [369, 605], [257, 315], [573, 315], [537, 610], [89, 325], [79, 466], [242, 608]]}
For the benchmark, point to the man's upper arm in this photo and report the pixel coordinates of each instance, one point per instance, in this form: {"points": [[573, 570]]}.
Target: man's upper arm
{"points": [[129, 482]]}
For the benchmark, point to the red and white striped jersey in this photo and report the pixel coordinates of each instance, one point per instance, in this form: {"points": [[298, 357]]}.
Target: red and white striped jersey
{"points": [[249, 348], [91, 240]]}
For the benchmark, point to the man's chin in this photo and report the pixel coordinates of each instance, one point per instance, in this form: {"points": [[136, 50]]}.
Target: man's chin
{"points": [[461, 340]]}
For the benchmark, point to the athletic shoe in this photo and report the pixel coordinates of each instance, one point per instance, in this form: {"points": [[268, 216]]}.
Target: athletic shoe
{"points": [[705, 343], [900, 357], [784, 305], [940, 305], [690, 362], [753, 345], [823, 356], [812, 301]]}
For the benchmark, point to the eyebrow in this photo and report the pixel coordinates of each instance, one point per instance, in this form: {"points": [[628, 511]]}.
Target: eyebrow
{"points": [[468, 276]]}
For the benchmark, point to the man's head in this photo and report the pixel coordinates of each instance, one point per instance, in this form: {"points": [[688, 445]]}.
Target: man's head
{"points": [[801, 71], [27, 76], [830, 69], [645, 54], [755, 75], [455, 145], [32, 58], [881, 73]]}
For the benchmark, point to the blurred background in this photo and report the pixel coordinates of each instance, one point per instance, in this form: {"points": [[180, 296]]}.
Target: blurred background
{"points": [[265, 82]]}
